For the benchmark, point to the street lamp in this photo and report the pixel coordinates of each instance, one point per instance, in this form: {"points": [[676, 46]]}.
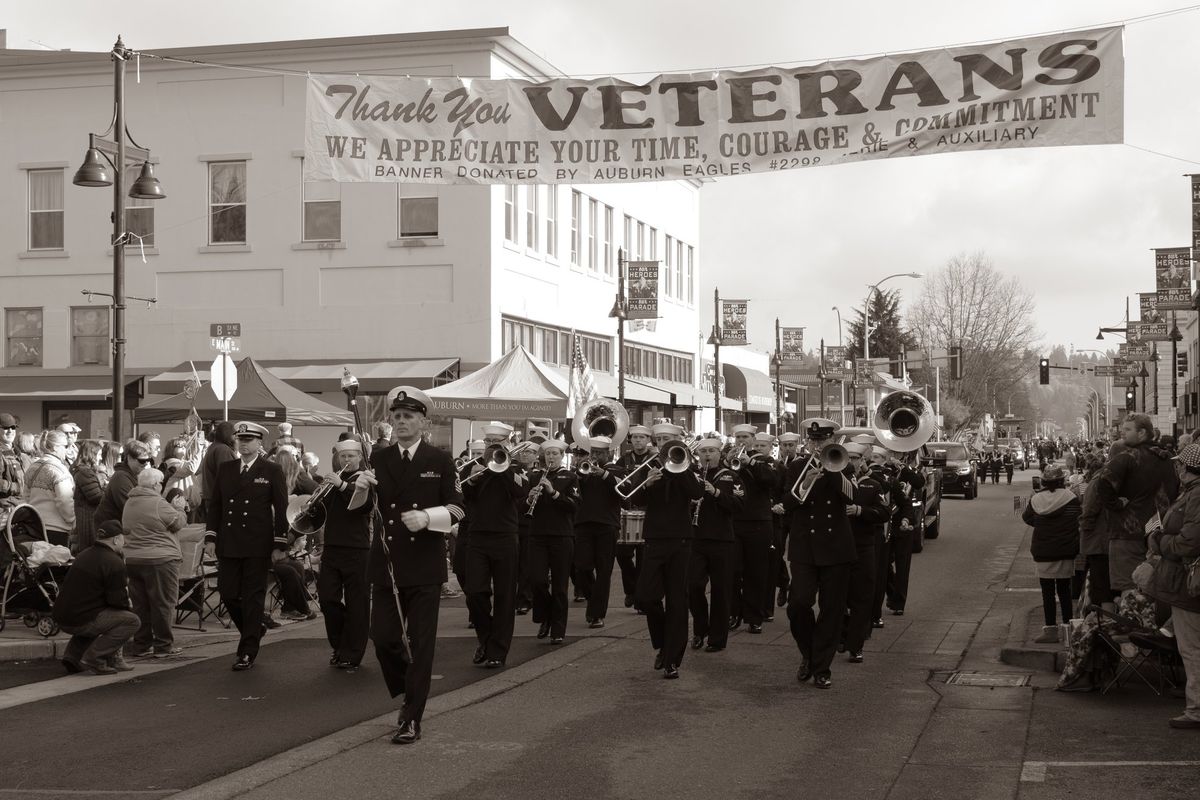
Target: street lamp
{"points": [[867, 320], [115, 153], [1107, 385]]}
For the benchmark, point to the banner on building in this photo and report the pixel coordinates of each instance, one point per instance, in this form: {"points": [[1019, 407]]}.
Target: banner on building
{"points": [[642, 289], [1149, 307], [1042, 91], [1148, 331], [1195, 212], [791, 348], [1173, 278], [1139, 351], [835, 368], [733, 322], [864, 373]]}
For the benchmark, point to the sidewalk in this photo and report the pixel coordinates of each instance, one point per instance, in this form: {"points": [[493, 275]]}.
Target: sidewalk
{"points": [[1026, 624]]}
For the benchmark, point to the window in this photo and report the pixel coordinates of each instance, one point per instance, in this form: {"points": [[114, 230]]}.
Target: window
{"points": [[628, 238], [533, 224], [139, 214], [653, 245], [418, 217], [552, 221], [510, 213], [650, 362], [89, 336], [549, 348], [227, 202], [679, 269], [667, 282], [45, 210], [593, 229], [553, 345], [641, 240], [322, 211], [691, 275], [24, 333], [608, 240], [576, 222]]}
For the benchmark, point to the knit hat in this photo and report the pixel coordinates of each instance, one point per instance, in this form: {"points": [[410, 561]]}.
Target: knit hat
{"points": [[109, 529], [1053, 474], [1189, 456]]}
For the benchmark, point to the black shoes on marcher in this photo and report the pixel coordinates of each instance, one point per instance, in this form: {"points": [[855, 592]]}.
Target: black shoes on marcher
{"points": [[242, 664], [407, 732]]}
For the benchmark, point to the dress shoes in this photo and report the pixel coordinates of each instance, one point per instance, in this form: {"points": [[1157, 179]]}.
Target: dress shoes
{"points": [[712, 648], [580, 598], [658, 660], [407, 733], [522, 611], [670, 672], [697, 642], [242, 664], [782, 598], [876, 623], [596, 623], [769, 618], [480, 655], [855, 658], [804, 672], [897, 612], [735, 623], [629, 601], [347, 666], [543, 630], [493, 663], [822, 682], [752, 628], [333, 659], [556, 640]]}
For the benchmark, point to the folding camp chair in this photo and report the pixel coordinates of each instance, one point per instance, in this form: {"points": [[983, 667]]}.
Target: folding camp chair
{"points": [[198, 587], [1151, 651]]}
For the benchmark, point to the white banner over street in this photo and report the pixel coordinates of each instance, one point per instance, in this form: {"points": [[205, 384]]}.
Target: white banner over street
{"points": [[1044, 91]]}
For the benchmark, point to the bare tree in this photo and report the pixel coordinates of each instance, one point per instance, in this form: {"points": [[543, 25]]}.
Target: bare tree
{"points": [[970, 303]]}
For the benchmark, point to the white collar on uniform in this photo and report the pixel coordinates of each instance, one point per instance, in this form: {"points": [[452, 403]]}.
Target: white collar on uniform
{"points": [[412, 451], [247, 467]]}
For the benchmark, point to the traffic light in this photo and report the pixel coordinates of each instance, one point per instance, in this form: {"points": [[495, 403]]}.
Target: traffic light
{"points": [[1044, 372], [1130, 400], [956, 365], [1181, 366]]}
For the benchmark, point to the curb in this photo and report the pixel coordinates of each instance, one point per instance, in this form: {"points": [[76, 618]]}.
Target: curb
{"points": [[53, 648], [291, 761], [1018, 653]]}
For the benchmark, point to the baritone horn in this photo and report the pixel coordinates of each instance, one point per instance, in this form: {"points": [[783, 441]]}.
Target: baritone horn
{"points": [[903, 421], [601, 417], [830, 458], [674, 456]]}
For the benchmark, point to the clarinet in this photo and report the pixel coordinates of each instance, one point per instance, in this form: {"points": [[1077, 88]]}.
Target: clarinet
{"points": [[536, 492], [696, 513]]}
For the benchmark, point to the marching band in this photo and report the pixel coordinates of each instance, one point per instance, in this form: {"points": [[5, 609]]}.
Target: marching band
{"points": [[701, 528]]}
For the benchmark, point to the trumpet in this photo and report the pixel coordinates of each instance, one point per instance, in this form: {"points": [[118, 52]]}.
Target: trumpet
{"points": [[830, 458], [585, 467]]}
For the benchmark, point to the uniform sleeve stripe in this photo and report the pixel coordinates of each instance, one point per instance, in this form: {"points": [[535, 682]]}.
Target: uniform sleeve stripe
{"points": [[455, 511]]}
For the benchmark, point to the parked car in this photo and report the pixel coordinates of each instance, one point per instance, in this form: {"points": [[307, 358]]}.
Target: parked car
{"points": [[959, 473]]}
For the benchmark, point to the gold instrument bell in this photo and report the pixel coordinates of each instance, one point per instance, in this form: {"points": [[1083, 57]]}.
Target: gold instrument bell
{"points": [[903, 421], [601, 417]]}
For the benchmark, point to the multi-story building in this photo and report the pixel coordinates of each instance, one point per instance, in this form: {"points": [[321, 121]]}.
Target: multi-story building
{"points": [[426, 282]]}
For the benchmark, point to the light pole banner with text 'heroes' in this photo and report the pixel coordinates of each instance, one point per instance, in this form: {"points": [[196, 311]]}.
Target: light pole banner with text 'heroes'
{"points": [[1043, 91]]}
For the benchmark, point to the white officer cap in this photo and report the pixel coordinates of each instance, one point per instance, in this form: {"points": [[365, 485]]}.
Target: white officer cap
{"points": [[249, 430], [750, 429], [410, 398]]}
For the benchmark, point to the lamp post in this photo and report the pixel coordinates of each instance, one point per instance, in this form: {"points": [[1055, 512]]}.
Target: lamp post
{"points": [[1176, 336], [841, 383], [620, 311], [867, 323], [93, 172], [715, 340]]}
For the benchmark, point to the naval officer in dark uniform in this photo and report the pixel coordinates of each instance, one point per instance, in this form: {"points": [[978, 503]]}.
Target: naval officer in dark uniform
{"points": [[419, 501], [247, 530], [820, 550]]}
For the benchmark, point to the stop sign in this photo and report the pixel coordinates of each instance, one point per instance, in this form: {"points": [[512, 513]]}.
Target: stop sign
{"points": [[223, 377]]}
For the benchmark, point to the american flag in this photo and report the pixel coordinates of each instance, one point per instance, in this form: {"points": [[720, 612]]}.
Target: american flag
{"points": [[582, 384]]}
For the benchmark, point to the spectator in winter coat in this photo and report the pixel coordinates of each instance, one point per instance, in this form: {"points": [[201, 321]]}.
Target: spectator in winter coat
{"points": [[1054, 514], [12, 471], [153, 557], [220, 451], [90, 482], [50, 489], [124, 478]]}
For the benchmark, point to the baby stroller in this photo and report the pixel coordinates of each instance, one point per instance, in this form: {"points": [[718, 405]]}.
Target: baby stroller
{"points": [[30, 587]]}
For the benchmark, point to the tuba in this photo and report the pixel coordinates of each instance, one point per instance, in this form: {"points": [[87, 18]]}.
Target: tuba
{"points": [[903, 421], [601, 417]]}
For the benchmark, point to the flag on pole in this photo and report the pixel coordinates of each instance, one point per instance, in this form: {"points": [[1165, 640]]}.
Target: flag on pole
{"points": [[582, 387]]}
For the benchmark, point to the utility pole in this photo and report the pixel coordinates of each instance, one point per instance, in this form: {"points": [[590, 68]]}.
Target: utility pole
{"points": [[619, 311], [821, 382], [715, 340], [778, 385]]}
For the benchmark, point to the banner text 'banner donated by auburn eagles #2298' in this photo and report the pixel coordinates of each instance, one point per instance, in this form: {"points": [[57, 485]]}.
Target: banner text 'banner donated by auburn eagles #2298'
{"points": [[1044, 91]]}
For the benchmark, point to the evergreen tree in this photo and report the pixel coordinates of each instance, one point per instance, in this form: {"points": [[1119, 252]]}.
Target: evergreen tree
{"points": [[888, 335]]}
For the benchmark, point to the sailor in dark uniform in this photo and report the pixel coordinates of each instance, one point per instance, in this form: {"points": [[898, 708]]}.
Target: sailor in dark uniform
{"points": [[247, 529], [753, 531], [778, 580], [629, 555], [551, 505], [596, 523], [868, 516], [419, 501], [821, 550], [712, 549]]}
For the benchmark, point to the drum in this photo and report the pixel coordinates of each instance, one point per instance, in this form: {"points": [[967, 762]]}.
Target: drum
{"points": [[632, 523]]}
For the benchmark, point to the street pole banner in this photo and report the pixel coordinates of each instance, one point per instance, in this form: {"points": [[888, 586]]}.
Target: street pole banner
{"points": [[1134, 351], [1148, 301], [792, 345], [864, 373], [643, 289], [1173, 278], [835, 363], [1042, 91], [733, 322], [1195, 212], [1148, 331]]}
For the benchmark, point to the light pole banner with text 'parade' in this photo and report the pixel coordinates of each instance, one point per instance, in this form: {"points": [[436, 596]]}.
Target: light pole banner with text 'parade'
{"points": [[1043, 91]]}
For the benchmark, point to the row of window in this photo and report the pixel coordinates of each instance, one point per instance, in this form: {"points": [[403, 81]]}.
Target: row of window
{"points": [[592, 237], [651, 362], [321, 209], [23, 331]]}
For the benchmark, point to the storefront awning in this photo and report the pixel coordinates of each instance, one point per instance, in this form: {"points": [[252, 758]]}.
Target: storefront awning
{"points": [[750, 385], [34, 387], [325, 375]]}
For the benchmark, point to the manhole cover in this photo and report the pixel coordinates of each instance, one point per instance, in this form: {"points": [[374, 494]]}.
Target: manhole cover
{"points": [[1003, 679]]}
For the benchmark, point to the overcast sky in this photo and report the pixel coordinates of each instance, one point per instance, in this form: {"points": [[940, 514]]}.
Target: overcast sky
{"points": [[1075, 223]]}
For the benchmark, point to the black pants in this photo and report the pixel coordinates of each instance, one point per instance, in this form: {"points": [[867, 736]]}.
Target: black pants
{"points": [[883, 560], [778, 579], [1050, 587], [663, 577], [595, 550], [711, 563], [458, 561], [1008, 471], [629, 559], [860, 596], [491, 590], [550, 562], [1100, 590], [524, 597], [289, 574], [817, 635], [751, 564], [900, 563], [420, 606], [242, 584], [345, 598]]}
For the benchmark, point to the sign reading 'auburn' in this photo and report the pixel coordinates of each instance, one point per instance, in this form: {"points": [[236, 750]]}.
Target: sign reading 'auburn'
{"points": [[1046, 91]]}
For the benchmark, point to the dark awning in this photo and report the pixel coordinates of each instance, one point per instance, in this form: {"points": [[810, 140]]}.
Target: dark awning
{"points": [[52, 386], [751, 386], [325, 374]]}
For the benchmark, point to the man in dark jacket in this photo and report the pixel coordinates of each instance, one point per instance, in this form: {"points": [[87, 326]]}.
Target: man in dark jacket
{"points": [[753, 531], [550, 507], [868, 514], [1137, 483], [219, 451], [596, 523], [712, 549], [123, 481], [93, 606]]}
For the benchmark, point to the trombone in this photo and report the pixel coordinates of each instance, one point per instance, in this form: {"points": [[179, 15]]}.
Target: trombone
{"points": [[830, 458], [674, 456]]}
